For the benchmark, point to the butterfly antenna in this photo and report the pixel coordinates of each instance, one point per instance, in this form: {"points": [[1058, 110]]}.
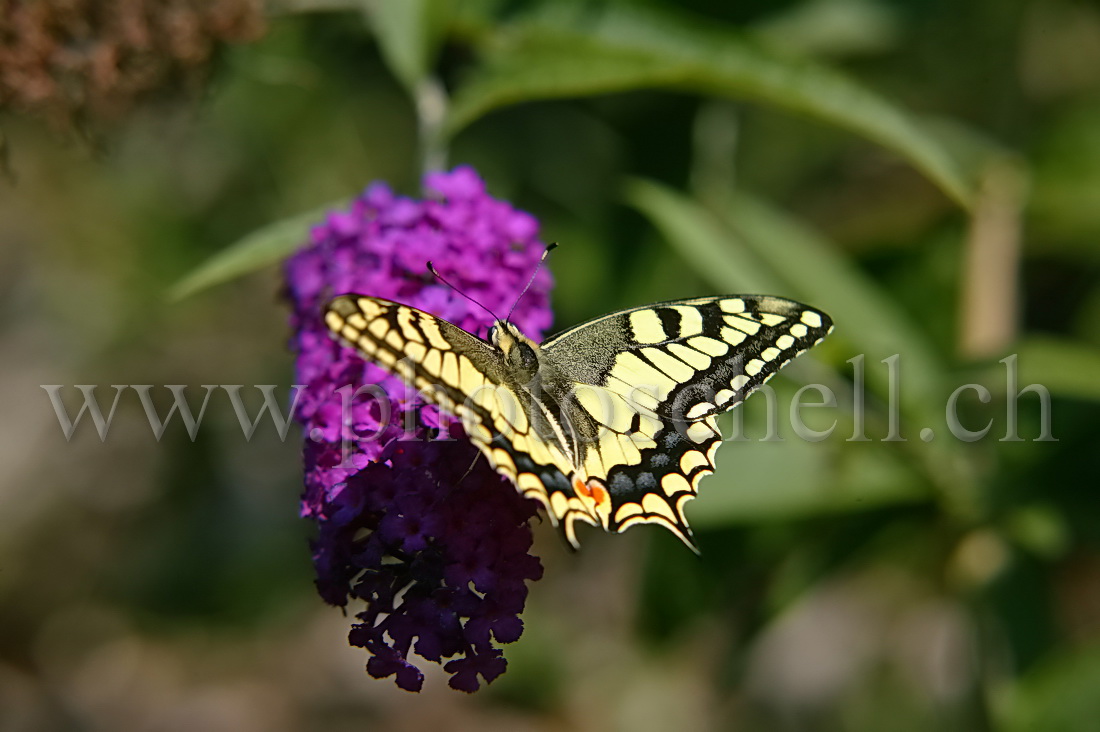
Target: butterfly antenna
{"points": [[431, 268], [549, 248]]}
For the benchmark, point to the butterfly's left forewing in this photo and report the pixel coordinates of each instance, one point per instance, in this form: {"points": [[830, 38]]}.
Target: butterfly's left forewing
{"points": [[443, 361], [464, 376]]}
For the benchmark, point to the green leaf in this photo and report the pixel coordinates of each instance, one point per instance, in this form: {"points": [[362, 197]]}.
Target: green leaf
{"points": [[571, 51], [409, 33], [1065, 206], [787, 478], [701, 239], [1057, 696], [834, 27], [1040, 528], [1067, 368], [753, 247], [796, 479], [257, 250], [866, 316], [873, 324]]}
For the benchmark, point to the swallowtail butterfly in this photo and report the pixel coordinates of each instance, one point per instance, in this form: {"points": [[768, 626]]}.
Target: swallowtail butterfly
{"points": [[611, 422]]}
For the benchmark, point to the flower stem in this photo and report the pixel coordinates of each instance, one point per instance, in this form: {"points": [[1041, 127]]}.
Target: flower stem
{"points": [[431, 110]]}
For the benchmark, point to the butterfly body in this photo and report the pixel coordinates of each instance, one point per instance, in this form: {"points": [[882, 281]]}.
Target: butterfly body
{"points": [[611, 422]]}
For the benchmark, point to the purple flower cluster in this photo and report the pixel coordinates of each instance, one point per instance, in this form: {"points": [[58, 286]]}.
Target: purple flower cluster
{"points": [[438, 551]]}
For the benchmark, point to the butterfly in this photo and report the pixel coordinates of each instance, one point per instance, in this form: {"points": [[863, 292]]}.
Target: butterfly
{"points": [[611, 422]]}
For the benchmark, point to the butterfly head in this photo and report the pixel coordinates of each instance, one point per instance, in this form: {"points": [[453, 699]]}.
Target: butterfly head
{"points": [[521, 354]]}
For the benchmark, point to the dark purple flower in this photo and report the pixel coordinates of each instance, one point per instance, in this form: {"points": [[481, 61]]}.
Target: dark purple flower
{"points": [[438, 551]]}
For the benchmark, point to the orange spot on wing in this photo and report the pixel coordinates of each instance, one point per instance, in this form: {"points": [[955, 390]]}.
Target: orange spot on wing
{"points": [[599, 493], [595, 499]]}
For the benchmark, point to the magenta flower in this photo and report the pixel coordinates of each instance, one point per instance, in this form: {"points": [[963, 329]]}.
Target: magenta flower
{"points": [[439, 553]]}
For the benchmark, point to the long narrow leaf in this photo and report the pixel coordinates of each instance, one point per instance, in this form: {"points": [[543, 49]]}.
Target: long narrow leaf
{"points": [[866, 316], [785, 480], [570, 51], [700, 238], [409, 32], [751, 247], [256, 250], [1066, 368], [747, 234]]}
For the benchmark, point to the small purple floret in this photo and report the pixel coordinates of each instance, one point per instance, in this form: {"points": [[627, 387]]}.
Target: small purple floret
{"points": [[439, 552]]}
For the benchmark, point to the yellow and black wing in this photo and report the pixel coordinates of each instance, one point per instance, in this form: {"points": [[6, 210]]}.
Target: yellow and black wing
{"points": [[653, 380], [466, 377]]}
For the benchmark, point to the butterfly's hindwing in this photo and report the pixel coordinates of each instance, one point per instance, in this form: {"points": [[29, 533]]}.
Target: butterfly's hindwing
{"points": [[649, 467], [618, 425], [658, 489]]}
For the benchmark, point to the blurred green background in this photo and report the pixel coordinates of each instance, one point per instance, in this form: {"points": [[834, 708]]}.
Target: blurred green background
{"points": [[926, 172]]}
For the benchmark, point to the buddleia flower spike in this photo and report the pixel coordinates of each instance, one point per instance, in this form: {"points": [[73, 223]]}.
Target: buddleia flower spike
{"points": [[437, 552]]}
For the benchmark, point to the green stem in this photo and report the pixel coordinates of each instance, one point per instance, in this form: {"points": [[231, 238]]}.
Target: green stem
{"points": [[431, 110]]}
